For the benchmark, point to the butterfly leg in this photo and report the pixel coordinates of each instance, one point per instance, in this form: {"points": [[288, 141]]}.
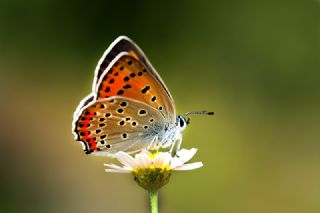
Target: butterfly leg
{"points": [[179, 142], [172, 146], [175, 147], [154, 143]]}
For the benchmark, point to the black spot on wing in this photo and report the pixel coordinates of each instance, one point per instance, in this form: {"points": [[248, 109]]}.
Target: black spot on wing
{"points": [[145, 89]]}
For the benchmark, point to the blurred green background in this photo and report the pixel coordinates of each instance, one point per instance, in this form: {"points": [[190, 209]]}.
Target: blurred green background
{"points": [[255, 63]]}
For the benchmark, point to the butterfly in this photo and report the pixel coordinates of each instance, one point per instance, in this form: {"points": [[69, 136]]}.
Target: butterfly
{"points": [[130, 108]]}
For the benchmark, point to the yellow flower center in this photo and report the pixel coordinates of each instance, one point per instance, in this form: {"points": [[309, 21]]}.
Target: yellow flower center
{"points": [[154, 154], [152, 178]]}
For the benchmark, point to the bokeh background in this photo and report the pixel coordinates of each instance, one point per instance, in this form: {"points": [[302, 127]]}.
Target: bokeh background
{"points": [[255, 63]]}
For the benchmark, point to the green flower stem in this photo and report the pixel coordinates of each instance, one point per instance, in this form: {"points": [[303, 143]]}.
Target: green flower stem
{"points": [[154, 201]]}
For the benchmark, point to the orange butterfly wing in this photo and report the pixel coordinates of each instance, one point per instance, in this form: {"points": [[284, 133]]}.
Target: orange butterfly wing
{"points": [[129, 77], [124, 44]]}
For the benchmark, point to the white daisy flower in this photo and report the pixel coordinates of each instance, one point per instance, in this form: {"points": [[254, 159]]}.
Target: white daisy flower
{"points": [[157, 160], [152, 171]]}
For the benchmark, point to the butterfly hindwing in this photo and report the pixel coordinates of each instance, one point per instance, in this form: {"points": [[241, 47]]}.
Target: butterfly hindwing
{"points": [[83, 103], [117, 124]]}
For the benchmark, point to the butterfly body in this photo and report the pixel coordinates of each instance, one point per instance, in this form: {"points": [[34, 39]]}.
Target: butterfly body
{"points": [[130, 108]]}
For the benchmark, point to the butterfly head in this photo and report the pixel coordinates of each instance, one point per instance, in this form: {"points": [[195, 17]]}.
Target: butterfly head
{"points": [[182, 122]]}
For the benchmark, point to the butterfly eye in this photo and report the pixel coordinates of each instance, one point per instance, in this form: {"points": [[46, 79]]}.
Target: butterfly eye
{"points": [[181, 122]]}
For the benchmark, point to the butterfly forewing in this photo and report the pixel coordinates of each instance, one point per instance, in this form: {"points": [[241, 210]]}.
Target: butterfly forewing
{"points": [[129, 77], [118, 124], [124, 44], [121, 44]]}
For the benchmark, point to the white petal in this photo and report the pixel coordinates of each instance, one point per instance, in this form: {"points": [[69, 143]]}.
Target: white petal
{"points": [[185, 155], [113, 166], [143, 160], [175, 162], [122, 170], [116, 168], [126, 160], [161, 159], [144, 151], [190, 166]]}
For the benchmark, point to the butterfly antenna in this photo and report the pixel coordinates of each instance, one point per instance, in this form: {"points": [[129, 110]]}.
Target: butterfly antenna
{"points": [[196, 113], [199, 113]]}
